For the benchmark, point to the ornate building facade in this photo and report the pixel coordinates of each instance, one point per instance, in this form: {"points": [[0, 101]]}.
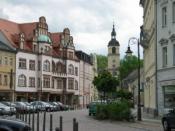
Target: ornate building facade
{"points": [[47, 67]]}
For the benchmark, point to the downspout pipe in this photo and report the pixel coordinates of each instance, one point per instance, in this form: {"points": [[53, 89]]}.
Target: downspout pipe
{"points": [[156, 87]]}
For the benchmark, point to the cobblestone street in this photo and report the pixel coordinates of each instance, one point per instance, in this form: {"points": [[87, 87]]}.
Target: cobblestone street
{"points": [[87, 123]]}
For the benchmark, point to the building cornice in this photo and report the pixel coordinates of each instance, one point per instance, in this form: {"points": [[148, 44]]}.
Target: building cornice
{"points": [[163, 41], [172, 38]]}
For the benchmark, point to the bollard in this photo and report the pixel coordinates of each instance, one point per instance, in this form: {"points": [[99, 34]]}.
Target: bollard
{"points": [[76, 126], [25, 117], [74, 121], [44, 121], [38, 121], [33, 122], [29, 118], [51, 124], [57, 129], [61, 123]]}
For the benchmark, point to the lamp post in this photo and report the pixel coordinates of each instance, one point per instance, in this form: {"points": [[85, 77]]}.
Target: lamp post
{"points": [[129, 53]]}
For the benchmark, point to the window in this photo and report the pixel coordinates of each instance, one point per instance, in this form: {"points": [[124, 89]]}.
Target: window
{"points": [[5, 61], [59, 84], [5, 80], [164, 52], [71, 55], [71, 69], [11, 61], [164, 17], [22, 81], [31, 81], [34, 48], [22, 63], [76, 85], [59, 67], [46, 83], [39, 65], [53, 83], [71, 83], [32, 65], [169, 96], [173, 12], [113, 50], [76, 71], [39, 80], [173, 54], [0, 79], [46, 66]]}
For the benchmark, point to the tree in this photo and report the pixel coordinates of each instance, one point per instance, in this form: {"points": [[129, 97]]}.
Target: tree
{"points": [[127, 65], [105, 83], [102, 62]]}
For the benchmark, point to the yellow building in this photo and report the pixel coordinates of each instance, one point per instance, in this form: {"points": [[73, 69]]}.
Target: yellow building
{"points": [[149, 45], [7, 72]]}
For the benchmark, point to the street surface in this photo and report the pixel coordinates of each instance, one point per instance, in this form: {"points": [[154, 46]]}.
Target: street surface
{"points": [[87, 123]]}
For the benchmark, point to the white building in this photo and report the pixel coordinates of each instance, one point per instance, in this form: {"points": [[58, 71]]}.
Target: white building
{"points": [[166, 54]]}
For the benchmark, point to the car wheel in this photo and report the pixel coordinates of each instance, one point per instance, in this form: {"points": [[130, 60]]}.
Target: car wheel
{"points": [[166, 126]]}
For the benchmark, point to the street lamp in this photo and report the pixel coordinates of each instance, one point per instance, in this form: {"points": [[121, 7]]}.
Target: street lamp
{"points": [[129, 53]]}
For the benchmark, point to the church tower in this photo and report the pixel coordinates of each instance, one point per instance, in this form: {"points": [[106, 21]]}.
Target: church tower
{"points": [[113, 54]]}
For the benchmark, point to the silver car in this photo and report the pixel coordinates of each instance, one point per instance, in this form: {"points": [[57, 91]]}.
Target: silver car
{"points": [[5, 110]]}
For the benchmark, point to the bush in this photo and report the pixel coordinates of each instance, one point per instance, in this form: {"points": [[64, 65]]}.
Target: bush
{"points": [[102, 112], [115, 111]]}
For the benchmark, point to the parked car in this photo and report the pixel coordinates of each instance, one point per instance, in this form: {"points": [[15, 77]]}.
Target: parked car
{"points": [[168, 120], [13, 125], [93, 107], [30, 108], [21, 107], [6, 110], [42, 106], [11, 105], [55, 105], [62, 106]]}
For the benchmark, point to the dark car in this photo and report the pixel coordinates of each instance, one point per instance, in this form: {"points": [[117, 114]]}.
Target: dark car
{"points": [[168, 120], [13, 125]]}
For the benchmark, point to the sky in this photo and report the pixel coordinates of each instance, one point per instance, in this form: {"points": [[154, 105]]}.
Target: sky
{"points": [[90, 21]]}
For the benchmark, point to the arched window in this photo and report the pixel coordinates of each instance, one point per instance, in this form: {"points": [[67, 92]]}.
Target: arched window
{"points": [[71, 69], [113, 50], [46, 66], [22, 80], [59, 67], [76, 85], [53, 66]]}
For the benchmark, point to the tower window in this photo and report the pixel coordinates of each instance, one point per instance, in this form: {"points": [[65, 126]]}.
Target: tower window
{"points": [[113, 50]]}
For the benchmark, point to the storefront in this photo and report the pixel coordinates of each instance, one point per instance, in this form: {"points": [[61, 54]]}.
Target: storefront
{"points": [[169, 96]]}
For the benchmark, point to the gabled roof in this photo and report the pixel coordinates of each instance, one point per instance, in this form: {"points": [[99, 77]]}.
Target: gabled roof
{"points": [[5, 47]]}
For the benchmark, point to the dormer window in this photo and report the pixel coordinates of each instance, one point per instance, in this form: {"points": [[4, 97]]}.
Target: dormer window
{"points": [[21, 41]]}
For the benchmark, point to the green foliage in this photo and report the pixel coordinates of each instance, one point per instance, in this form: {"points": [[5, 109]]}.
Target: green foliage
{"points": [[102, 62], [127, 65], [105, 82], [124, 94], [115, 111]]}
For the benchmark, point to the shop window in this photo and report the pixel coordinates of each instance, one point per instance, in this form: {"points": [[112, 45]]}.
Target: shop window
{"points": [[169, 96]]}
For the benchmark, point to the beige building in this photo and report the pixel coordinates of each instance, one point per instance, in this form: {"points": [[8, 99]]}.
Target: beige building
{"points": [[7, 72], [149, 45]]}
